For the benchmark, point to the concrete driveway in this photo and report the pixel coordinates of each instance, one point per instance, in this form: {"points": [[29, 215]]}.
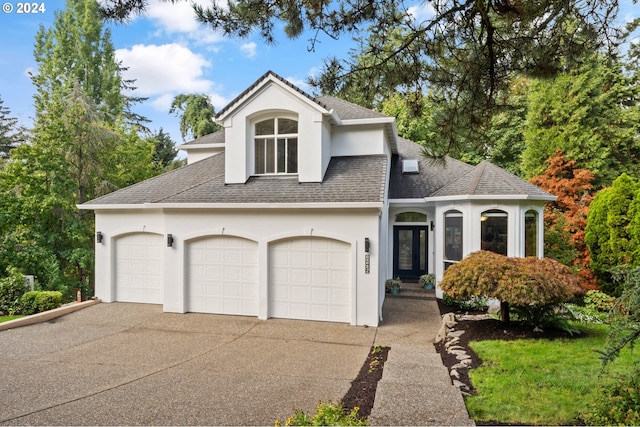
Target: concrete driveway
{"points": [[131, 364]]}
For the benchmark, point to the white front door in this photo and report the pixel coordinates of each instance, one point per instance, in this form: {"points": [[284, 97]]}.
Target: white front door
{"points": [[309, 278]]}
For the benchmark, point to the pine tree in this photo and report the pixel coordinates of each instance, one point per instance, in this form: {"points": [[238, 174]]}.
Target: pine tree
{"points": [[11, 135]]}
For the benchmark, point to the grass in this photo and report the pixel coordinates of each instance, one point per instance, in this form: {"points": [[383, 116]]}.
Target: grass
{"points": [[540, 382], [7, 318]]}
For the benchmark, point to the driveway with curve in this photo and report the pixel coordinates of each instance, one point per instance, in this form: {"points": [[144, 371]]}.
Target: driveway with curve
{"points": [[132, 364]]}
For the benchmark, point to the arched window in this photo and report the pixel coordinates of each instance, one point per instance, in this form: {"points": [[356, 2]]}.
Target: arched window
{"points": [[453, 236], [531, 233], [493, 231], [276, 146], [411, 217]]}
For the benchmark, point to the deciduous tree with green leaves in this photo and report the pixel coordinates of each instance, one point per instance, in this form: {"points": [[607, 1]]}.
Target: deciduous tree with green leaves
{"points": [[83, 145], [196, 115]]}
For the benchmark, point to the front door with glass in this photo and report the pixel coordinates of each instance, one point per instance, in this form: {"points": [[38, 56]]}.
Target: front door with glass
{"points": [[409, 251]]}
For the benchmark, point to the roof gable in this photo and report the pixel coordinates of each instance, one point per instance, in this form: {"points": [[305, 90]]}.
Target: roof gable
{"points": [[266, 79]]}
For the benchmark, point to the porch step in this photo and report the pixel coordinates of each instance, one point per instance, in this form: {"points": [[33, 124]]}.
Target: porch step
{"points": [[413, 290]]}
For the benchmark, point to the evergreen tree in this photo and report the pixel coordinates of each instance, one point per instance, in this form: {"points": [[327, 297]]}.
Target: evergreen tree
{"points": [[10, 134], [593, 116], [469, 50], [609, 234], [165, 149]]}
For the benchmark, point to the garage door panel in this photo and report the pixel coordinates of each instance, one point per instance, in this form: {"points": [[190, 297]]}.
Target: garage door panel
{"points": [[316, 269], [139, 268], [230, 280]]}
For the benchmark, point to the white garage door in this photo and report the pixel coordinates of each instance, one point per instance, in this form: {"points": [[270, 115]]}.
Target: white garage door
{"points": [[139, 268], [222, 276], [309, 278]]}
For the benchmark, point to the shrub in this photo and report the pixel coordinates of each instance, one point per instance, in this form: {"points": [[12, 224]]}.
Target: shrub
{"points": [[467, 304], [327, 414], [11, 290], [533, 285], [39, 301], [584, 314], [619, 402], [599, 301]]}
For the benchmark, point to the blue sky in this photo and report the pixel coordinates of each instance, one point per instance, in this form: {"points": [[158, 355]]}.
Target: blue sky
{"points": [[169, 53]]}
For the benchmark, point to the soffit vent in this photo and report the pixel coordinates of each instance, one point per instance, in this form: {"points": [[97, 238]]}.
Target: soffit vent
{"points": [[410, 166]]}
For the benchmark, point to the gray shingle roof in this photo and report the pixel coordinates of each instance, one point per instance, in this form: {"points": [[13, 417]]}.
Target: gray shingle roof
{"points": [[348, 179], [212, 138], [432, 176], [346, 110], [487, 179]]}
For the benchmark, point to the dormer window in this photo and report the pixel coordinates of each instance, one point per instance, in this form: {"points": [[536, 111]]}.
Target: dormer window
{"points": [[276, 146]]}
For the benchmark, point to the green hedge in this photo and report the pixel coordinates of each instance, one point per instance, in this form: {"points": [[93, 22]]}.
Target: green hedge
{"points": [[39, 301]]}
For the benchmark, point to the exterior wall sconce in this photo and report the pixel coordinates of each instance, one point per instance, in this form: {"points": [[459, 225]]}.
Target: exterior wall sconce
{"points": [[169, 240], [432, 226], [99, 237], [367, 245]]}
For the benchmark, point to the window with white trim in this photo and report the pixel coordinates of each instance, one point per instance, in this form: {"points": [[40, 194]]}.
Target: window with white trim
{"points": [[531, 233], [452, 237], [276, 146], [493, 231]]}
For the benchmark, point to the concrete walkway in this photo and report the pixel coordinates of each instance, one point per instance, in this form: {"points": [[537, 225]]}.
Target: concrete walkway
{"points": [[415, 388]]}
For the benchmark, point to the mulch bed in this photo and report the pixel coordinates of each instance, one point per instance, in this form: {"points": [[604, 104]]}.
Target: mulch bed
{"points": [[362, 392], [363, 389]]}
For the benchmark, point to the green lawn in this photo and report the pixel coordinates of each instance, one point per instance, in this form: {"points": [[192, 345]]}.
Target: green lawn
{"points": [[7, 318], [539, 382]]}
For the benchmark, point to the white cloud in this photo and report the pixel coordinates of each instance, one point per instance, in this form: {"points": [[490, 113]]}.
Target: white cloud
{"points": [[162, 69], [179, 18], [219, 101], [249, 49], [421, 11], [163, 102]]}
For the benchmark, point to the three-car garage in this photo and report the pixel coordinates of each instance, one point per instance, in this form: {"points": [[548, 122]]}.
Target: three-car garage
{"points": [[307, 277]]}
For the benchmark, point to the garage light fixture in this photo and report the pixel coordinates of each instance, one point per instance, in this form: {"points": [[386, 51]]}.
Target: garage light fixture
{"points": [[169, 240], [367, 245], [99, 237]]}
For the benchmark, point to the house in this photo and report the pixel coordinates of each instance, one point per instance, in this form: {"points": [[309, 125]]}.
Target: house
{"points": [[301, 208]]}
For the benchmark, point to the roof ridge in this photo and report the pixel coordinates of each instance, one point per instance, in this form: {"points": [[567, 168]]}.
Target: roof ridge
{"points": [[258, 82], [477, 172], [507, 174]]}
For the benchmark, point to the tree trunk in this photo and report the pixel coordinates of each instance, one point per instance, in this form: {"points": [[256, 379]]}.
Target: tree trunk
{"points": [[504, 312]]}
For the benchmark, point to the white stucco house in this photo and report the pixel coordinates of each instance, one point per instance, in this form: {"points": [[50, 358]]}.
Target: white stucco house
{"points": [[302, 207]]}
